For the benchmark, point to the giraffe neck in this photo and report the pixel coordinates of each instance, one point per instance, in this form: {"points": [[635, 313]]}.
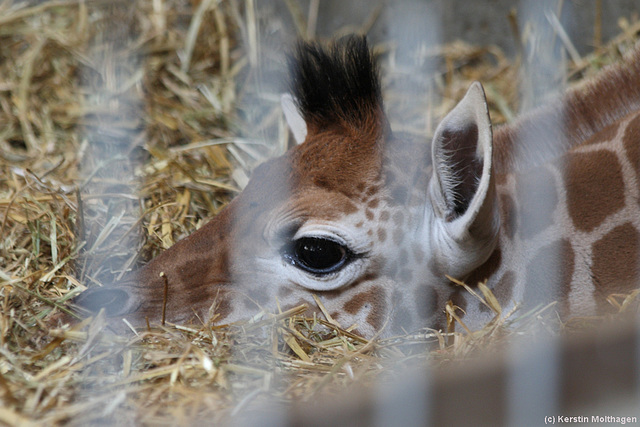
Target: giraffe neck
{"points": [[570, 226], [581, 113]]}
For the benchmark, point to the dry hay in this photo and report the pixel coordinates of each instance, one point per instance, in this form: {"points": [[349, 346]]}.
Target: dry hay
{"points": [[123, 116]]}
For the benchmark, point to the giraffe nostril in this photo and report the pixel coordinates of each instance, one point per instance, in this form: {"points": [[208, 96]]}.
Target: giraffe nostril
{"points": [[114, 301]]}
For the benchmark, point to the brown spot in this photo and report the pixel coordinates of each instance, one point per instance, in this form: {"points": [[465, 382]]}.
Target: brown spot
{"points": [[348, 208], [245, 231], [360, 224], [398, 218], [631, 140], [502, 290], [373, 204], [384, 216], [427, 302], [197, 298], [457, 297], [331, 295], [508, 215], [399, 195], [606, 134], [548, 275], [486, 270], [382, 235], [360, 187], [221, 268], [389, 179], [221, 307], [195, 272], [402, 316], [615, 263], [284, 292], [403, 257], [501, 178], [371, 191], [367, 277], [392, 268], [310, 310], [322, 182], [398, 236], [373, 300], [595, 188], [537, 199], [402, 313], [405, 275], [418, 253], [201, 241], [421, 176], [369, 215], [257, 296]]}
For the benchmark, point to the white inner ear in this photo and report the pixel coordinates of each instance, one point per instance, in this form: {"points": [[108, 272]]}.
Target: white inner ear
{"points": [[468, 240], [295, 121], [472, 109]]}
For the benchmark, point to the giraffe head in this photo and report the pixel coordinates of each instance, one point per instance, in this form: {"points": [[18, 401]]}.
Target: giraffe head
{"points": [[368, 221]]}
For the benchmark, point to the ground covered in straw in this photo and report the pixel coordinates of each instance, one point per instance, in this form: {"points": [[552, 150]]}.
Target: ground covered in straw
{"points": [[122, 129]]}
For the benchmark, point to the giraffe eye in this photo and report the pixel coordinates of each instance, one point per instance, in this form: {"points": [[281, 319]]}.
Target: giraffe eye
{"points": [[317, 255]]}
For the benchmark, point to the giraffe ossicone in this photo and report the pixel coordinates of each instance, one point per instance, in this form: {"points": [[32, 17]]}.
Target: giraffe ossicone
{"points": [[372, 222]]}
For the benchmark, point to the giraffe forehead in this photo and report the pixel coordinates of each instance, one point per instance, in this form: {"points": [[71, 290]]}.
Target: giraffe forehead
{"points": [[320, 204], [364, 167], [337, 160]]}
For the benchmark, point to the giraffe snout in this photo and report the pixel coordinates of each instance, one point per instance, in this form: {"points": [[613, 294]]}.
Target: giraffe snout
{"points": [[116, 302]]}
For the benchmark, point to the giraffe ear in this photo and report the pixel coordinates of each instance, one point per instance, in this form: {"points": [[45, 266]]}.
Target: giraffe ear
{"points": [[462, 188], [294, 119]]}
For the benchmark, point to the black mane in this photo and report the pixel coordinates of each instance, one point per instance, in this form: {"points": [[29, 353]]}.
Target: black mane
{"points": [[336, 83]]}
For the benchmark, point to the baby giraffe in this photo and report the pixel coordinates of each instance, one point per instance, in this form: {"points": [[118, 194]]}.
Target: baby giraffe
{"points": [[375, 224]]}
